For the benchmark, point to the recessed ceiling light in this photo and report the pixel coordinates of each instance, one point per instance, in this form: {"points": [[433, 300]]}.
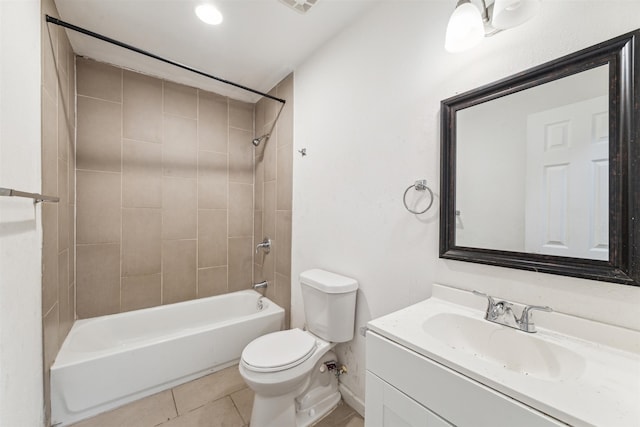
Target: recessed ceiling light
{"points": [[209, 14]]}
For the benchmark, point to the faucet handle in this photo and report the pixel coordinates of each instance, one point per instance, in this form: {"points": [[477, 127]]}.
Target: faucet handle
{"points": [[528, 308], [482, 294], [525, 322], [264, 245], [491, 307]]}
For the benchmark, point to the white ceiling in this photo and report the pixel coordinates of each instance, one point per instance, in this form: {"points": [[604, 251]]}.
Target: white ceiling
{"points": [[258, 44]]}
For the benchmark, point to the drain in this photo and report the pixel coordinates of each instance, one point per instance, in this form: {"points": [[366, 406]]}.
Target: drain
{"points": [[301, 6]]}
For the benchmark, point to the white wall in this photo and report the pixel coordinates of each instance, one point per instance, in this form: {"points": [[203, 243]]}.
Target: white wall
{"points": [[21, 401], [367, 111]]}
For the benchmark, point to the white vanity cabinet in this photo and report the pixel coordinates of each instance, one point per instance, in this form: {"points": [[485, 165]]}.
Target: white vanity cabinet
{"points": [[389, 407], [406, 389]]}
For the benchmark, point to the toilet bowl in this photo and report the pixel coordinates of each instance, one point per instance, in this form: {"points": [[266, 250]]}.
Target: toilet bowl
{"points": [[278, 367], [293, 372]]}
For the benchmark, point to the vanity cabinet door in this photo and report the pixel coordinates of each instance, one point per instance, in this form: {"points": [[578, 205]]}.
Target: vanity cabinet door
{"points": [[389, 407]]}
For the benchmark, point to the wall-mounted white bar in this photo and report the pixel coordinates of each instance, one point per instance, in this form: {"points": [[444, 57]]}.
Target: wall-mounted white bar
{"points": [[36, 197]]}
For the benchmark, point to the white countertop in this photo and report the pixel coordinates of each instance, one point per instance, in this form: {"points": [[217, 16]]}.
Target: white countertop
{"points": [[596, 383]]}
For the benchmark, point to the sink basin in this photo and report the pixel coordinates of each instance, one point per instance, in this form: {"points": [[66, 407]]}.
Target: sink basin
{"points": [[509, 348], [578, 371]]}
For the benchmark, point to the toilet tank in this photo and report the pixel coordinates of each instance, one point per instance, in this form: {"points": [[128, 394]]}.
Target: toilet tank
{"points": [[329, 304]]}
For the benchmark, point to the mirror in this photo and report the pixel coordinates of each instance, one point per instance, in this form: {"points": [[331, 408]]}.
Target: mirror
{"points": [[540, 170], [541, 155]]}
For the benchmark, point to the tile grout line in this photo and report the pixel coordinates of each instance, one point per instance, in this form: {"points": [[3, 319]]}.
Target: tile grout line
{"points": [[175, 404], [121, 188], [162, 203], [228, 189], [75, 187], [253, 203], [197, 260], [233, 402], [97, 98]]}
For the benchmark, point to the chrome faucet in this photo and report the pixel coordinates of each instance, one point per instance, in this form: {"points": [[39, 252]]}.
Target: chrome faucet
{"points": [[501, 312], [265, 245], [261, 285]]}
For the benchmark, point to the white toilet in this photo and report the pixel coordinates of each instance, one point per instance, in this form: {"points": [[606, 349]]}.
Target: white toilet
{"points": [[291, 372]]}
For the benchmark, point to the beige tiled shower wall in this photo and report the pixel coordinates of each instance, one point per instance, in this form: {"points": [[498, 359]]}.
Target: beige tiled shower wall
{"points": [[58, 133], [164, 191], [273, 181]]}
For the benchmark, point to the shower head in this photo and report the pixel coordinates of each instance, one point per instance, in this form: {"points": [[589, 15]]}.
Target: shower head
{"points": [[257, 141]]}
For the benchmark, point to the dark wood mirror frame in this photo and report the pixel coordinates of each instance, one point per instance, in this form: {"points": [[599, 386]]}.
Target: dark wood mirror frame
{"points": [[622, 54]]}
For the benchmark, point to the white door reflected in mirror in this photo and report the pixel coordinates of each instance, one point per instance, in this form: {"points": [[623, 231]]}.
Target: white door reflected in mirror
{"points": [[568, 181], [532, 169]]}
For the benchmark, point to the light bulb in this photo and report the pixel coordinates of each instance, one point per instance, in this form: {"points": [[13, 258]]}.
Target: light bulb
{"points": [[465, 29]]}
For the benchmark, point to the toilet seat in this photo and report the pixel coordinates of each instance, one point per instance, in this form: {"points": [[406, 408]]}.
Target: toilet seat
{"points": [[278, 351]]}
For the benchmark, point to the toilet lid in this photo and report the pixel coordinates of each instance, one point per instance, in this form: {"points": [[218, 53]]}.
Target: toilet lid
{"points": [[278, 351]]}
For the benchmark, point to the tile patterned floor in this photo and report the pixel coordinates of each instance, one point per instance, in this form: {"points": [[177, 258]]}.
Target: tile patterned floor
{"points": [[218, 400]]}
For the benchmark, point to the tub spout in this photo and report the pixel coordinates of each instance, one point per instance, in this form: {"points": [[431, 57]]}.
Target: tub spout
{"points": [[261, 285]]}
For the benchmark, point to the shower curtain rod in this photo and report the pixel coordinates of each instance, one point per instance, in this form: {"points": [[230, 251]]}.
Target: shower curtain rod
{"points": [[154, 56]]}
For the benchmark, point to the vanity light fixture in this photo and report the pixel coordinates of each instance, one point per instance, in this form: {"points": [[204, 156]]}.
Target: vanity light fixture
{"points": [[470, 22], [209, 14]]}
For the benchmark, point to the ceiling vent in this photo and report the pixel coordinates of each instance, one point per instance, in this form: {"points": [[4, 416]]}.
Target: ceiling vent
{"points": [[301, 6]]}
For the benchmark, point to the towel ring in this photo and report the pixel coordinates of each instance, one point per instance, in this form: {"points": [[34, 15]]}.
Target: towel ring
{"points": [[420, 185]]}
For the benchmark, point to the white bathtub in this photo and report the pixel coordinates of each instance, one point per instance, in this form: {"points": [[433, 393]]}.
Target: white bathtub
{"points": [[108, 361]]}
